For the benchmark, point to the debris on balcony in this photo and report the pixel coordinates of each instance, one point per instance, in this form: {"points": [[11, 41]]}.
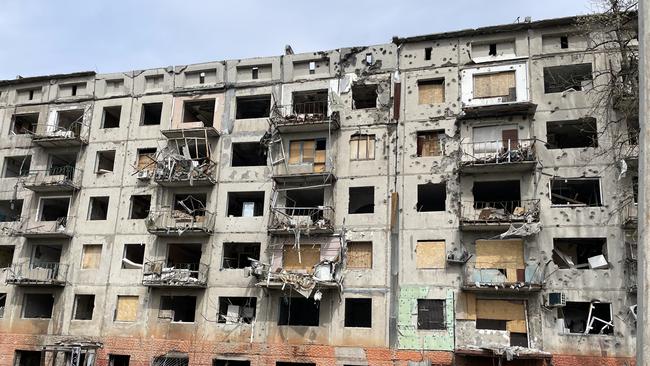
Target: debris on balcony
{"points": [[157, 273], [503, 212], [522, 230], [324, 273], [185, 160], [187, 215], [498, 151]]}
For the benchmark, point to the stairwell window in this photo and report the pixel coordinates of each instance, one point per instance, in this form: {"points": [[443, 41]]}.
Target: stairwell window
{"points": [[362, 147]]}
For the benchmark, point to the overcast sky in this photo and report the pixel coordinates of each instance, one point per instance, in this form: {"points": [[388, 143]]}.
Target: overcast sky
{"points": [[60, 36]]}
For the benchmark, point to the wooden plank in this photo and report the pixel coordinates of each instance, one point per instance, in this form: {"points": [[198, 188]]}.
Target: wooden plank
{"points": [[308, 151], [466, 306], [92, 255], [127, 308], [294, 152], [431, 92], [430, 254], [494, 85], [500, 309], [496, 254], [320, 156], [359, 255], [516, 326], [309, 257]]}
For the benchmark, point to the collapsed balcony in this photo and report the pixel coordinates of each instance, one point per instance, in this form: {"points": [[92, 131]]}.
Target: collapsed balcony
{"points": [[302, 211], [197, 120], [185, 162], [161, 274], [479, 215], [38, 274], [511, 154], [309, 112], [67, 129], [306, 162], [56, 179], [187, 217], [57, 228]]}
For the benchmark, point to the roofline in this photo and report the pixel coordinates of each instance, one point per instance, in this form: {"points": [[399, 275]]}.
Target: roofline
{"points": [[33, 79]]}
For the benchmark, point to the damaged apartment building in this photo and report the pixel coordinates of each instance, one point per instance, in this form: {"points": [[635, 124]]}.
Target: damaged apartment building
{"points": [[441, 199]]}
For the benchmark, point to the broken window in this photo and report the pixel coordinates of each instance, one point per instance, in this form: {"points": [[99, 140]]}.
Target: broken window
{"points": [[255, 73], [38, 306], [580, 253], [126, 309], [362, 200], [10, 210], [6, 255], [146, 159], [432, 197], [70, 120], [299, 311], [308, 257], [558, 79], [495, 139], [587, 317], [24, 123], [427, 53], [500, 261], [192, 204], [236, 255], [3, 303], [111, 117], [258, 106], [312, 67], [62, 164], [91, 256], [98, 208], [45, 255], [180, 309], [308, 151], [501, 194], [499, 84], [492, 49], [571, 134], [358, 313], [199, 111], [359, 255], [17, 166], [105, 161], [27, 358], [184, 256], [431, 314], [133, 256], [564, 42], [140, 205], [312, 102], [362, 147], [430, 143], [248, 154], [430, 254], [245, 204], [53, 209], [233, 310], [151, 114], [431, 91], [118, 360], [222, 362], [83, 307], [577, 191], [364, 96], [153, 81]]}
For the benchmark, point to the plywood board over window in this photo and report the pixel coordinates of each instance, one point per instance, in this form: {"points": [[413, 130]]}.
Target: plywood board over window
{"points": [[430, 254], [429, 143], [309, 257], [431, 91], [362, 147], [513, 312], [498, 84], [126, 309], [359, 255], [92, 254], [501, 254]]}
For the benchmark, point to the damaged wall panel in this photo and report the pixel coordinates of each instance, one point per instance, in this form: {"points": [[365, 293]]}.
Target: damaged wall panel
{"points": [[408, 335]]}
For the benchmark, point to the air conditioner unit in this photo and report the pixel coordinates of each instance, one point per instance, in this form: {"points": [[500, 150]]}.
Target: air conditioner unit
{"points": [[144, 175], [555, 300]]}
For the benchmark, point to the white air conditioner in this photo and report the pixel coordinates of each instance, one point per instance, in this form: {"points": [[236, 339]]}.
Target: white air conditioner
{"points": [[555, 300], [144, 175]]}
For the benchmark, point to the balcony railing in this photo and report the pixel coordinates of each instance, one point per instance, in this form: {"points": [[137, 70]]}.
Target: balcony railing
{"points": [[38, 273], [59, 228], [176, 222], [159, 274], [309, 219], [55, 179], [499, 213], [53, 135], [314, 114], [174, 170], [498, 152], [511, 277]]}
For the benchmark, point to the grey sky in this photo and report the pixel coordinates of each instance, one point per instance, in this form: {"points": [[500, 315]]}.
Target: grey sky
{"points": [[60, 36]]}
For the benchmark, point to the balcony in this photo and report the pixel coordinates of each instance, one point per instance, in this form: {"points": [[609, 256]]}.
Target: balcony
{"points": [[181, 275], [37, 274], [303, 117], [501, 108], [70, 134], [326, 275], [175, 170], [56, 179], [498, 156], [309, 220], [631, 218], [61, 228], [509, 279], [481, 216], [171, 222]]}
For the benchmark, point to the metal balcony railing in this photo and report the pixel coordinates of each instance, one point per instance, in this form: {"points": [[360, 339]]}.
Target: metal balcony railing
{"points": [[177, 222], [498, 152], [55, 178], [289, 219], [510, 276], [38, 273], [500, 212], [172, 170], [59, 228], [75, 131], [303, 114], [160, 274]]}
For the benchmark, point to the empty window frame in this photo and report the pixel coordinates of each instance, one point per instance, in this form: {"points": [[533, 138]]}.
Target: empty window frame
{"points": [[431, 314], [91, 256], [105, 161], [192, 204], [133, 256], [10, 210], [432, 197], [62, 164], [430, 143], [308, 258], [53, 208], [236, 255], [3, 303], [98, 208], [500, 194], [361, 200], [359, 255], [17, 166], [580, 253], [179, 309], [111, 116], [255, 73], [587, 317], [28, 358], [492, 49], [70, 120], [564, 42], [362, 147], [572, 134], [224, 362], [358, 313], [237, 310], [493, 85], [140, 206], [258, 106], [299, 311], [364, 96], [126, 308], [119, 360], [311, 102], [38, 306], [558, 79], [146, 159], [431, 91], [307, 151], [248, 154], [6, 255], [151, 114], [44, 255], [430, 254], [24, 123], [245, 204], [84, 305], [199, 111], [184, 255], [427, 53], [576, 191]]}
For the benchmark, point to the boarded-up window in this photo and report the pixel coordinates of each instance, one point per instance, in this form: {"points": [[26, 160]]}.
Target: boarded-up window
{"points": [[359, 255], [505, 255], [308, 258], [513, 313], [362, 147], [430, 254], [126, 309], [146, 159], [92, 254], [431, 91], [500, 84], [307, 151], [431, 314], [429, 143]]}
